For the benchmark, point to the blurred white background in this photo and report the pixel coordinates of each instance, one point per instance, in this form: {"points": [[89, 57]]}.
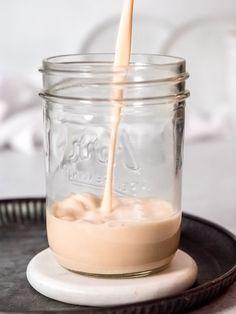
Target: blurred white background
{"points": [[203, 32], [31, 30]]}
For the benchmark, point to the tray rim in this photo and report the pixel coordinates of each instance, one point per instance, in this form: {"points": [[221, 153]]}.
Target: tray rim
{"points": [[229, 275]]}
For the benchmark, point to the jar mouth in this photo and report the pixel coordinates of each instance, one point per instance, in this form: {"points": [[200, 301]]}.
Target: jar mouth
{"points": [[93, 77], [103, 63]]}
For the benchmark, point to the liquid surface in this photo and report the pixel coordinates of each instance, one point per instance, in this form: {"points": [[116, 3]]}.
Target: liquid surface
{"points": [[138, 234]]}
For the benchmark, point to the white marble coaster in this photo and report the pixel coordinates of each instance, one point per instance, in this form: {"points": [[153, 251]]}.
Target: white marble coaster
{"points": [[50, 279]]}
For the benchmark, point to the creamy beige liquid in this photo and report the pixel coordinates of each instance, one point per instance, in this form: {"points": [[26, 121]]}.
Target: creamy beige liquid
{"points": [[138, 235], [122, 57], [111, 235]]}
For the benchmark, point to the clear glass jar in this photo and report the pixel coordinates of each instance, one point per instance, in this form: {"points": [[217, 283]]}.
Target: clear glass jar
{"points": [[140, 233]]}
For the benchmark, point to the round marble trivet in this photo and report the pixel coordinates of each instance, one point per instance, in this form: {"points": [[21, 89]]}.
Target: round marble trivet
{"points": [[50, 279]]}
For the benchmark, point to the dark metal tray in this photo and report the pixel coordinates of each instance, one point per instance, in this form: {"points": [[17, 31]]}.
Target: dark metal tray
{"points": [[22, 235]]}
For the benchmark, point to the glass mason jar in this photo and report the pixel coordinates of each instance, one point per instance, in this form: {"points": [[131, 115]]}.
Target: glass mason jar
{"points": [[138, 233]]}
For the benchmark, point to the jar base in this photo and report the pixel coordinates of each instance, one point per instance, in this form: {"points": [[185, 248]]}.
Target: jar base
{"points": [[122, 272], [139, 274]]}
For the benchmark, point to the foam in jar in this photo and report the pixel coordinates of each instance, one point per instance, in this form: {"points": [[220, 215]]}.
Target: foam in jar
{"points": [[138, 235]]}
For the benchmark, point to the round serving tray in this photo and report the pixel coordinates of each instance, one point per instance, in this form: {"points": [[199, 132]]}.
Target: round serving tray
{"points": [[22, 235]]}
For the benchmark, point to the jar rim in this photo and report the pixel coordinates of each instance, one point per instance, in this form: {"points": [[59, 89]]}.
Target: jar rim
{"points": [[93, 77], [102, 63]]}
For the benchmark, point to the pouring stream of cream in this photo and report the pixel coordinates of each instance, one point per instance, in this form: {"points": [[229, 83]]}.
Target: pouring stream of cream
{"points": [[122, 58]]}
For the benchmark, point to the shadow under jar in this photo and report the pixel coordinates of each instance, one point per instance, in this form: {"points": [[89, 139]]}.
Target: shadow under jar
{"points": [[140, 233]]}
